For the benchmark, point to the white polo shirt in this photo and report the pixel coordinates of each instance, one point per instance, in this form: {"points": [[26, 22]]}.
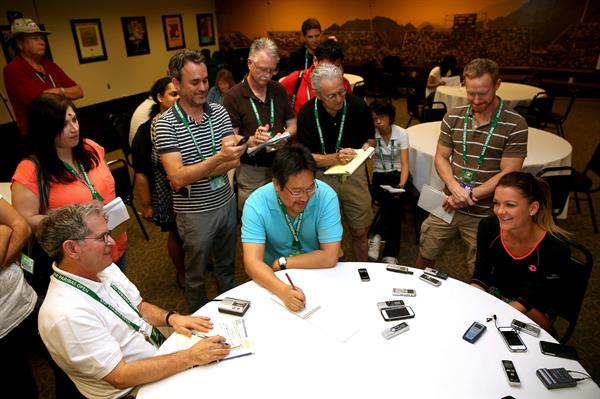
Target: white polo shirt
{"points": [[86, 339]]}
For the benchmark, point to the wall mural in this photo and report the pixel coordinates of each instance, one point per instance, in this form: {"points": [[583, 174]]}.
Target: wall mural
{"points": [[565, 35]]}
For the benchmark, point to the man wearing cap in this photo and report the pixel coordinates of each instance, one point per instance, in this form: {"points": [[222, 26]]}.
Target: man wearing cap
{"points": [[30, 74]]}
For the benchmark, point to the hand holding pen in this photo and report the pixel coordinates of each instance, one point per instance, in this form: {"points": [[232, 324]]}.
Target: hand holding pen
{"points": [[293, 297]]}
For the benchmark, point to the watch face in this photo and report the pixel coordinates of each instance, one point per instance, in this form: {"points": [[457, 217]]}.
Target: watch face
{"points": [[282, 263]]}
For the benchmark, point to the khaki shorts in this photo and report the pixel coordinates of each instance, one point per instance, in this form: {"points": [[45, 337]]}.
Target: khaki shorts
{"points": [[249, 178], [354, 197], [435, 235]]}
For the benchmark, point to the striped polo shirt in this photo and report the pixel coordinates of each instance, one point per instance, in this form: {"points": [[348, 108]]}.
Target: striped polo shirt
{"points": [[508, 140], [173, 136]]}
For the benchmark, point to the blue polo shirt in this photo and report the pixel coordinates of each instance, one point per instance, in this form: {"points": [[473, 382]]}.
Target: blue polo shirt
{"points": [[263, 222]]}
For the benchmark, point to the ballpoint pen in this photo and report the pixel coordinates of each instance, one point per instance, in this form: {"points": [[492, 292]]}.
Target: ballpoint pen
{"points": [[290, 280]]}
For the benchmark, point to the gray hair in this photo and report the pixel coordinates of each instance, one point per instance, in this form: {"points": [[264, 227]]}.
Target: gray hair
{"points": [[177, 62], [62, 224], [480, 66], [324, 71], [263, 44]]}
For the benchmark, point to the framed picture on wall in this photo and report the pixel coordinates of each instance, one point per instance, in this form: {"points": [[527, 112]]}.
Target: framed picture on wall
{"points": [[10, 50], [173, 28], [206, 29], [89, 40], [136, 35]]}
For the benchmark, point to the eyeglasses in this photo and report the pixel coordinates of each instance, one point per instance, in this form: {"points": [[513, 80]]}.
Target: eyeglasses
{"points": [[102, 237], [308, 191], [263, 70], [342, 93]]}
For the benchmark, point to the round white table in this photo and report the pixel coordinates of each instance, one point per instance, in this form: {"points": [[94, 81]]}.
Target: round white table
{"points": [[300, 358], [544, 149], [353, 79], [512, 94]]}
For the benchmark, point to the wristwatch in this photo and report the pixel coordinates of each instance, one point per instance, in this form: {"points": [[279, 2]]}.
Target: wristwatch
{"points": [[282, 262]]}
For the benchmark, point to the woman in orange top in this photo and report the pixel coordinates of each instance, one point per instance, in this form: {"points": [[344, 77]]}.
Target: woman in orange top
{"points": [[73, 168]]}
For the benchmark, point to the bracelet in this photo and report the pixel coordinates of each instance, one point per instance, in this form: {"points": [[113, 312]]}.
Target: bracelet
{"points": [[168, 316]]}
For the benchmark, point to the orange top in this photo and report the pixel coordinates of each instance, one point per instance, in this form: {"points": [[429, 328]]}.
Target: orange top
{"points": [[76, 192]]}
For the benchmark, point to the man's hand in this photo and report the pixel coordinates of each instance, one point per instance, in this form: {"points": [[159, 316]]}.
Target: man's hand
{"points": [[345, 155], [293, 298], [260, 136], [279, 145], [459, 198], [185, 324], [209, 350], [229, 150]]}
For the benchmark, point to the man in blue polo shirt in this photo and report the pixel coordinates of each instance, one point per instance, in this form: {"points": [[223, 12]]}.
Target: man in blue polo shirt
{"points": [[291, 223]]}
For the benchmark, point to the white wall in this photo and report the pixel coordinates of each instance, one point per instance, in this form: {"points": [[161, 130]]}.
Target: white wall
{"points": [[120, 75]]}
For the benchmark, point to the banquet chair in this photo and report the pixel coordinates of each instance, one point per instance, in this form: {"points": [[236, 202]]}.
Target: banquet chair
{"points": [[124, 188], [120, 122], [584, 184], [569, 306], [419, 109], [557, 119], [360, 89], [561, 180], [537, 113]]}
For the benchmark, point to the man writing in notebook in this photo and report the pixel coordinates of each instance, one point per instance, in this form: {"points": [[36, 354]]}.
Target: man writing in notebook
{"points": [[479, 143], [332, 125], [291, 223], [94, 322]]}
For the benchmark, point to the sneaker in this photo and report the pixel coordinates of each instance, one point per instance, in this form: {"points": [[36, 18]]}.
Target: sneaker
{"points": [[374, 246], [389, 260]]}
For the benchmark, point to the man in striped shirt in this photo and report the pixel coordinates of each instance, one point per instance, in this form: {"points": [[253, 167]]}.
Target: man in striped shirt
{"points": [[197, 147], [479, 143]]}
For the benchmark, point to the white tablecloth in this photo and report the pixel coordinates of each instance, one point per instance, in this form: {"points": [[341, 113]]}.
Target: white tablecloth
{"points": [[353, 79], [299, 358], [5, 191], [544, 149], [512, 94]]}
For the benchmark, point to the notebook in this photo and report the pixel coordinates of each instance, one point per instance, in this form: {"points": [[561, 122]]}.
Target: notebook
{"points": [[431, 200], [350, 167]]}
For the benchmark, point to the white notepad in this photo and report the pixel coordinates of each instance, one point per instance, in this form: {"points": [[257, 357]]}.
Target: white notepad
{"points": [[349, 168], [304, 313], [116, 212], [233, 330], [432, 200]]}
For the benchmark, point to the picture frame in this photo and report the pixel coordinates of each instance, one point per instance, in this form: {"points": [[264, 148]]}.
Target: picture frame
{"points": [[206, 29], [89, 40], [10, 51], [135, 33], [173, 30]]}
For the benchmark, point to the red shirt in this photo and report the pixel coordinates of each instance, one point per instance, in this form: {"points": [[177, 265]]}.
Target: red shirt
{"points": [[305, 90], [75, 192], [24, 84]]}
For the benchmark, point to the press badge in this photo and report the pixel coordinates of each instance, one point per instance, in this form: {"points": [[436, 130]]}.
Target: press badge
{"points": [[27, 263], [466, 179], [217, 182]]}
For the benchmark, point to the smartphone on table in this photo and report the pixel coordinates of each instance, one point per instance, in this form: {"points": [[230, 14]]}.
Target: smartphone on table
{"points": [[558, 350], [397, 313], [512, 339]]}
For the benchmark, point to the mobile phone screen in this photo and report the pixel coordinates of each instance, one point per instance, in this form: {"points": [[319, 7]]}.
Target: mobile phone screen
{"points": [[364, 276], [243, 140], [565, 351], [512, 338]]}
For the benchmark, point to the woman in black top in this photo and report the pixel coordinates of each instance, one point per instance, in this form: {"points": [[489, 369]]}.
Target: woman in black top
{"points": [[521, 258]]}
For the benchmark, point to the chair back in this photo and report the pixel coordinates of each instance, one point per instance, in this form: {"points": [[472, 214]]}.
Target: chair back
{"points": [[412, 104], [433, 113], [120, 172], [571, 102], [594, 163], [561, 180], [360, 89], [120, 122], [578, 271], [542, 105]]}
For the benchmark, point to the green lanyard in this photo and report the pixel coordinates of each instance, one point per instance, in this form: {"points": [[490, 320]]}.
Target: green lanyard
{"points": [[86, 179], [210, 126], [340, 133], [295, 231], [381, 154], [156, 337], [306, 58], [493, 124], [272, 124]]}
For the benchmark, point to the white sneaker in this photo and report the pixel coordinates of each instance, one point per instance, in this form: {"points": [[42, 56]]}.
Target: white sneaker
{"points": [[374, 246], [389, 260]]}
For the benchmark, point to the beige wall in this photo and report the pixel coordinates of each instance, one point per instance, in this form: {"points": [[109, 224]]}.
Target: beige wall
{"points": [[119, 75]]}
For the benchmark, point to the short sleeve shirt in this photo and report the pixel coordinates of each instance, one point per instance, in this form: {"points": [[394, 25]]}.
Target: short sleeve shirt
{"points": [[173, 136], [387, 155], [509, 140], [263, 222]]}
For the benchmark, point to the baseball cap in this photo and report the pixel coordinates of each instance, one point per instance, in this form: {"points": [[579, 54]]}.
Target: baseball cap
{"points": [[24, 25]]}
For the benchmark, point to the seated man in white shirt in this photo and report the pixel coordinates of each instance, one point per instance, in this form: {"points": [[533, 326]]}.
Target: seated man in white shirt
{"points": [[291, 223], [93, 320]]}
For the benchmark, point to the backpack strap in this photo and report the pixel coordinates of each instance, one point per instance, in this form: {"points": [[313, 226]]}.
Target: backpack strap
{"points": [[296, 87]]}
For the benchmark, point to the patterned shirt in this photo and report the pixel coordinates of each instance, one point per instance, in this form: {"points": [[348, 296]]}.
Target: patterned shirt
{"points": [[509, 140]]}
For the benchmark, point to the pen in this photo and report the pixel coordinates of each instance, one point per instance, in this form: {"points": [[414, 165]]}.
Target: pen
{"points": [[290, 280]]}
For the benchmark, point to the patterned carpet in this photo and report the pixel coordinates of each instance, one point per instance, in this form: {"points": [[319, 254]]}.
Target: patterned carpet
{"points": [[150, 269]]}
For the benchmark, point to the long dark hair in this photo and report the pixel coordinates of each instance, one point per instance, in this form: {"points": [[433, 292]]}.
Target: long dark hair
{"points": [[46, 120], [535, 189], [159, 87]]}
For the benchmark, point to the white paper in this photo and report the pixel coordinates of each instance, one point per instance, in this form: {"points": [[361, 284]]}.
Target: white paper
{"points": [[304, 313], [432, 200], [234, 331], [272, 141], [393, 190], [116, 212]]}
